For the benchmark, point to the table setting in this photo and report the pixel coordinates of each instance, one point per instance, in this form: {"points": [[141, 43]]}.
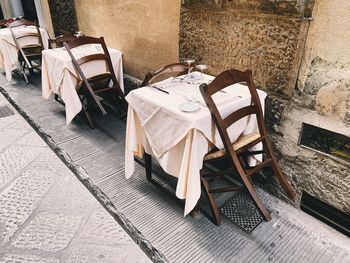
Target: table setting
{"points": [[59, 76], [170, 121], [9, 51]]}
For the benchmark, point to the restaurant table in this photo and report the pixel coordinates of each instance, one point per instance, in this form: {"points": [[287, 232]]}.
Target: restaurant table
{"points": [[9, 50], [179, 140], [59, 75]]}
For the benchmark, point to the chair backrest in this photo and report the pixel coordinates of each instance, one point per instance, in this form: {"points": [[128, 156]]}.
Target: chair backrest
{"points": [[175, 69], [18, 37], [25, 23], [61, 39], [223, 80], [104, 56], [5, 22]]}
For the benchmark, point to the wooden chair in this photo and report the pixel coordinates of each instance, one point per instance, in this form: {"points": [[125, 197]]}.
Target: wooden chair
{"points": [[94, 90], [175, 69], [27, 54], [61, 39], [237, 153], [5, 22]]}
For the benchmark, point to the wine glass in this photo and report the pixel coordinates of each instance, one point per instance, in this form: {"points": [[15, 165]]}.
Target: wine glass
{"points": [[189, 62], [79, 33], [202, 67]]}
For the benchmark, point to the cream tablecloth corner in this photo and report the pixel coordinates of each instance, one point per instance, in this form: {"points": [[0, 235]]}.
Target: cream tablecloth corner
{"points": [[9, 51], [179, 140], [59, 75]]}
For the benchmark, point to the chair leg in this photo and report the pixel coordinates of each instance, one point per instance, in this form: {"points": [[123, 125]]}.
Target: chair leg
{"points": [[282, 179], [88, 117], [212, 203], [249, 186], [119, 104], [196, 212], [25, 77], [24, 73], [148, 166], [278, 173]]}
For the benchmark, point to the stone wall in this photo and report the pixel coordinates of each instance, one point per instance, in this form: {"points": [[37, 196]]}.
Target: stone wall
{"points": [[146, 31], [63, 16], [266, 36], [302, 62], [324, 80], [321, 98]]}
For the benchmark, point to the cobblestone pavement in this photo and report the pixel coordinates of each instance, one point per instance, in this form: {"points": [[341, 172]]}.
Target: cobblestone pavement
{"points": [[46, 214]]}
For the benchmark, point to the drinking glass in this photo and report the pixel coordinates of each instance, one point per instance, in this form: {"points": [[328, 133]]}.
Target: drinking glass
{"points": [[202, 67], [189, 62], [79, 33]]}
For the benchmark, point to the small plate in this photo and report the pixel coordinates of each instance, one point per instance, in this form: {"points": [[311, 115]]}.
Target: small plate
{"points": [[189, 106]]}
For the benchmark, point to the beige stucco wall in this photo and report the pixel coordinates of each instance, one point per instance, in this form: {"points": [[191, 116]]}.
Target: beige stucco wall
{"points": [[325, 70], [146, 31], [329, 35]]}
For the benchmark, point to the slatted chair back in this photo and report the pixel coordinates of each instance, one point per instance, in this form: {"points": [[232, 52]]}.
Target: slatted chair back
{"points": [[61, 39], [29, 44], [175, 69], [236, 150], [5, 22], [98, 83], [223, 80]]}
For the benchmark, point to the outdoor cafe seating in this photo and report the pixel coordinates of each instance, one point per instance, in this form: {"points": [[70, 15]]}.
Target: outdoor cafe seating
{"points": [[181, 117], [92, 90], [245, 148], [59, 41], [29, 53], [21, 44], [75, 73], [191, 118]]}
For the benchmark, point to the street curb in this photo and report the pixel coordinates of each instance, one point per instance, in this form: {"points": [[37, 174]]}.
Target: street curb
{"points": [[155, 255]]}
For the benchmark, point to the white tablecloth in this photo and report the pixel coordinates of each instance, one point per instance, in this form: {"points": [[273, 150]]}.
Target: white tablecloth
{"points": [[180, 140], [60, 76], [9, 51]]}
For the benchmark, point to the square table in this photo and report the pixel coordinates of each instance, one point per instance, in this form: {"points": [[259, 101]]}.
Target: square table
{"points": [[179, 140], [59, 75], [9, 50]]}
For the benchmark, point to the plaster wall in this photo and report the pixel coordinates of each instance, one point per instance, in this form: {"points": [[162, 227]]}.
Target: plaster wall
{"points": [[324, 78], [147, 32], [329, 36], [321, 98]]}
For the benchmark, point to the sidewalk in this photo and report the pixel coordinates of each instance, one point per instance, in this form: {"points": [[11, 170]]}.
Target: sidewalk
{"points": [[46, 214]]}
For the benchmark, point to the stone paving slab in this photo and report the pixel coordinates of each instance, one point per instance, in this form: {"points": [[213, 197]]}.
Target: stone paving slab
{"points": [[48, 232], [104, 254], [14, 159], [19, 200], [25, 258], [101, 228]]}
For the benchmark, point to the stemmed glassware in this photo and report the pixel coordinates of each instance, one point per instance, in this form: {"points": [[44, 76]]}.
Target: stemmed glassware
{"points": [[79, 33], [202, 67], [189, 62]]}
